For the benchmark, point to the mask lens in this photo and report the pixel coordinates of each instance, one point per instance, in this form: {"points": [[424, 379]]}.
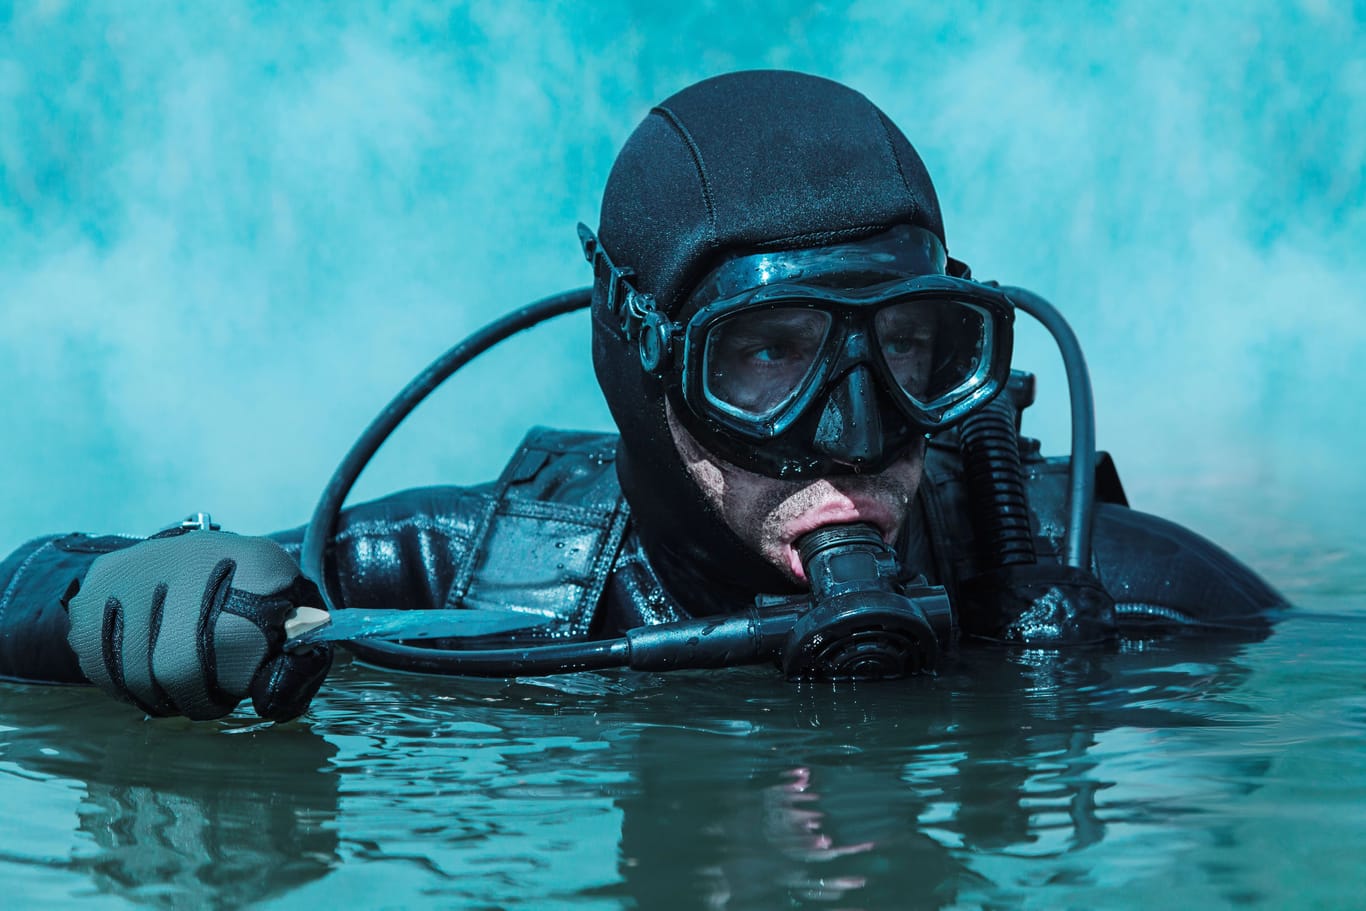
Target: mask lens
{"points": [[936, 349], [756, 362]]}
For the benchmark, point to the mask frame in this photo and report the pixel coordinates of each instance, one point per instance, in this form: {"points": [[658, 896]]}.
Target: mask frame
{"points": [[843, 419], [850, 342]]}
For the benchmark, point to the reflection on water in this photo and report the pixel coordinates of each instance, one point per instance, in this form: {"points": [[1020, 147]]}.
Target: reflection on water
{"points": [[885, 800], [1015, 779], [172, 814]]}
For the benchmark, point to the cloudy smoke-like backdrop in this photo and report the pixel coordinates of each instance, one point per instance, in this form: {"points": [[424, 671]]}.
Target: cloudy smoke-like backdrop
{"points": [[229, 232]]}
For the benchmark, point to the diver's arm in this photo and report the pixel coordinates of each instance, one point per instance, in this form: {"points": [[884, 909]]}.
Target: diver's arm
{"points": [[33, 621], [401, 551], [188, 622]]}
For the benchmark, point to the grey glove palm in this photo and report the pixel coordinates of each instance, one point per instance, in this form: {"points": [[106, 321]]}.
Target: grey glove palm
{"points": [[193, 624]]}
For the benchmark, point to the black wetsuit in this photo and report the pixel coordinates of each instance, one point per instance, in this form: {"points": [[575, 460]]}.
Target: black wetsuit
{"points": [[554, 535]]}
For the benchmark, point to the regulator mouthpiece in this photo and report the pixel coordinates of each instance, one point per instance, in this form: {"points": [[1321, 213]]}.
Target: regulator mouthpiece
{"points": [[862, 624]]}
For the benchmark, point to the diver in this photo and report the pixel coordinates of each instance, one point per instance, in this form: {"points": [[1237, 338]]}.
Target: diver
{"points": [[818, 463]]}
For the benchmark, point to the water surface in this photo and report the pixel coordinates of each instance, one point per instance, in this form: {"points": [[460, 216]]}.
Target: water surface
{"points": [[1179, 773]]}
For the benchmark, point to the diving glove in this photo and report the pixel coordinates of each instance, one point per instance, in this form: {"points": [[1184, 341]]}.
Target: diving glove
{"points": [[193, 624]]}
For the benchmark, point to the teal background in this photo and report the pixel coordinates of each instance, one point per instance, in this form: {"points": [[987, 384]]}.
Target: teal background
{"points": [[229, 232]]}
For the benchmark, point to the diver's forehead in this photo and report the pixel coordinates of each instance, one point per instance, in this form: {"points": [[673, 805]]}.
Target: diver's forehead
{"points": [[898, 253]]}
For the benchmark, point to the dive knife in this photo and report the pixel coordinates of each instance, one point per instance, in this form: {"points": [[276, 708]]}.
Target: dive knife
{"points": [[307, 626]]}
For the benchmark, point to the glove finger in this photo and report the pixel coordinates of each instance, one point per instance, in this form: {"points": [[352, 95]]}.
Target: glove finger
{"points": [[114, 644], [285, 686], [184, 657], [127, 665], [134, 673]]}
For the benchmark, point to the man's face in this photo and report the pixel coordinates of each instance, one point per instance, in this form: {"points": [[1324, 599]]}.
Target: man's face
{"points": [[769, 514]]}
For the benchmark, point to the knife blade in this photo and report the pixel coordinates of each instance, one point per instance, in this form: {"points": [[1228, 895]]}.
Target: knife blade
{"points": [[308, 625]]}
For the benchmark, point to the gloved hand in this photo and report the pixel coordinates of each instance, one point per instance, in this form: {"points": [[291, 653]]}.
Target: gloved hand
{"points": [[193, 624]]}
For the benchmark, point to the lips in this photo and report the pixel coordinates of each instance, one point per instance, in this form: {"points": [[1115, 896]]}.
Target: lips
{"points": [[841, 511]]}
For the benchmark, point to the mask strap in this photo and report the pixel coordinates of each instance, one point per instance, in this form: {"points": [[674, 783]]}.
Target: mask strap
{"points": [[638, 316]]}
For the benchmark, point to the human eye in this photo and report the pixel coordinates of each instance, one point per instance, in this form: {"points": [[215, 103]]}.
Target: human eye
{"points": [[906, 344], [773, 353], [911, 340], [905, 331]]}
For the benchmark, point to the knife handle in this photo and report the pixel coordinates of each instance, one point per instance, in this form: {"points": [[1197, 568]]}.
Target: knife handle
{"points": [[303, 620]]}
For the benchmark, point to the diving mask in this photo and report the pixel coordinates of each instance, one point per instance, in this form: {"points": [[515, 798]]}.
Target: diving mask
{"points": [[827, 360]]}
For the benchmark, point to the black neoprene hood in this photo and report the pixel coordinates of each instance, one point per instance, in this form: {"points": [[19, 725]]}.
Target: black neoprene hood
{"points": [[736, 164], [756, 160]]}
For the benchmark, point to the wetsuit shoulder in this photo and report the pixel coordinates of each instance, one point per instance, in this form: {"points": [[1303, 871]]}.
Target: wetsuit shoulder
{"points": [[534, 539], [1162, 574], [550, 532]]}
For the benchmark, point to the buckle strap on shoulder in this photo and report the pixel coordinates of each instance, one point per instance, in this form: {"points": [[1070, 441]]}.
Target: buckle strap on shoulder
{"points": [[548, 536]]}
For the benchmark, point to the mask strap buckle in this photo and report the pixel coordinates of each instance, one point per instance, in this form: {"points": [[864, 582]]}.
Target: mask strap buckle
{"points": [[637, 314]]}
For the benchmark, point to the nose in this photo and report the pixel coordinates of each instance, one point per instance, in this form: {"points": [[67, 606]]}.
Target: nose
{"points": [[850, 427]]}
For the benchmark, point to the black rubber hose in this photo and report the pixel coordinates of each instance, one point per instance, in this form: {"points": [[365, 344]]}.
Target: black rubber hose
{"points": [[1081, 484], [531, 661], [313, 554], [994, 477]]}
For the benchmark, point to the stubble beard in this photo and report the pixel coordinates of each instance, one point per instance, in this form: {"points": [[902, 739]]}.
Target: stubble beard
{"points": [[769, 514]]}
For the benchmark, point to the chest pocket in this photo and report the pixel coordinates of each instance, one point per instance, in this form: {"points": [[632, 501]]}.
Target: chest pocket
{"points": [[549, 535]]}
